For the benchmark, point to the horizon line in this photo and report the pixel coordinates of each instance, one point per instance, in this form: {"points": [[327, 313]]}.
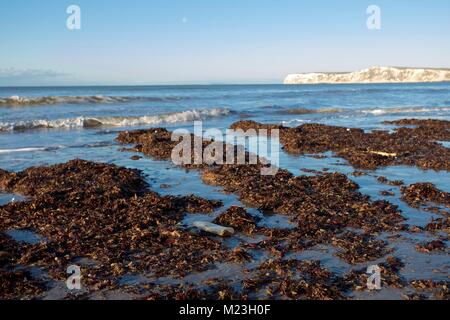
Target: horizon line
{"points": [[217, 84]]}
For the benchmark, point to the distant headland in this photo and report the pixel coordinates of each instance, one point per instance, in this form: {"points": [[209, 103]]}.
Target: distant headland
{"points": [[372, 75]]}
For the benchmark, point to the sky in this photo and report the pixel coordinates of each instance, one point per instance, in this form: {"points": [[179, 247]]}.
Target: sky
{"points": [[138, 42]]}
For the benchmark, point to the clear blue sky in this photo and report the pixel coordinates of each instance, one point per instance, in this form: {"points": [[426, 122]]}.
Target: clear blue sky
{"points": [[209, 41]]}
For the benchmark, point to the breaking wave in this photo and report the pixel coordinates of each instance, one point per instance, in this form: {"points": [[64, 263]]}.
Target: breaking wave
{"points": [[92, 122], [96, 99], [290, 123], [100, 144], [375, 111], [380, 112], [30, 149]]}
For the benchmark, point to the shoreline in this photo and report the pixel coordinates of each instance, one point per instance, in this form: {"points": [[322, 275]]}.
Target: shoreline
{"points": [[142, 235]]}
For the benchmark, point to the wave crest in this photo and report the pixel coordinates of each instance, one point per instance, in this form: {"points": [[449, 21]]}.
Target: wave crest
{"points": [[92, 122], [95, 99], [380, 112]]}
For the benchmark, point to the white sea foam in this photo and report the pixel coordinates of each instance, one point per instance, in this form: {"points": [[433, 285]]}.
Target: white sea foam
{"points": [[29, 149], [380, 112], [293, 122], [21, 150], [90, 122]]}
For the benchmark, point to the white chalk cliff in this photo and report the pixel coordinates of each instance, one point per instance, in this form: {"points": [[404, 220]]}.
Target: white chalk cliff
{"points": [[373, 75]]}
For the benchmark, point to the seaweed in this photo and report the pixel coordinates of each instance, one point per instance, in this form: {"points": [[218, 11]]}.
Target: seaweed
{"points": [[107, 214], [421, 194], [237, 218], [369, 150]]}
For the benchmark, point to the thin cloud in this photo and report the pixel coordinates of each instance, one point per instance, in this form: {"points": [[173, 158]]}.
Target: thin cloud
{"points": [[14, 77]]}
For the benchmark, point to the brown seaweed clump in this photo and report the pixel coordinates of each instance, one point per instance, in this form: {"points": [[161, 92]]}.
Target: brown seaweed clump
{"points": [[421, 194], [107, 214], [237, 218], [19, 285], [439, 224], [359, 247], [294, 279], [322, 205], [81, 181], [369, 150], [217, 291], [439, 289], [387, 193], [390, 275], [15, 284], [385, 180], [435, 245]]}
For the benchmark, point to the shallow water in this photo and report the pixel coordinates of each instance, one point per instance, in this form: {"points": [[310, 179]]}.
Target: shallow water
{"points": [[25, 236], [10, 197], [364, 106]]}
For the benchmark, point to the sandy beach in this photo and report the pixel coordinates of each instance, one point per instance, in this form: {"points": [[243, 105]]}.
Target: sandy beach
{"points": [[309, 235]]}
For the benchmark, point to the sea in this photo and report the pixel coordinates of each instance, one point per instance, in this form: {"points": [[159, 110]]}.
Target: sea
{"points": [[47, 125]]}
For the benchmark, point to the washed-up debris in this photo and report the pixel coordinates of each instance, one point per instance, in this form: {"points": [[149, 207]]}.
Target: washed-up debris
{"points": [[237, 218], [213, 228], [359, 247], [440, 289], [105, 213], [389, 272], [387, 193], [294, 279], [421, 194], [437, 124], [195, 204], [19, 285], [415, 296], [108, 214], [317, 156], [435, 245], [219, 291], [359, 173], [384, 154], [4, 257], [305, 170], [168, 292], [439, 224], [385, 180], [84, 179], [16, 284], [9, 250], [369, 150], [3, 174], [321, 206], [240, 255]]}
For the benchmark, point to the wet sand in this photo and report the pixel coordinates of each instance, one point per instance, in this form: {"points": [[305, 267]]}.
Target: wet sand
{"points": [[133, 242]]}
